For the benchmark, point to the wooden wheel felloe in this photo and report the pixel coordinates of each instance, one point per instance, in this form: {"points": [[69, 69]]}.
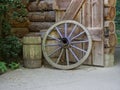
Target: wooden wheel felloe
{"points": [[67, 44]]}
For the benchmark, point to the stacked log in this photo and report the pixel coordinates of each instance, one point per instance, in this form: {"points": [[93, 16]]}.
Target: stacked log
{"points": [[110, 38], [39, 6], [41, 15], [38, 26]]}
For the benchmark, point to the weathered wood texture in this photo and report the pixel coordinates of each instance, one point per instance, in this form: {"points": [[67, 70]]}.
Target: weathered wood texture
{"points": [[110, 26], [41, 6], [18, 24], [110, 2], [42, 32], [97, 21], [32, 53], [90, 14], [42, 16], [49, 1], [110, 41], [37, 26], [113, 40], [19, 32], [61, 4], [109, 13], [109, 56], [75, 6]]}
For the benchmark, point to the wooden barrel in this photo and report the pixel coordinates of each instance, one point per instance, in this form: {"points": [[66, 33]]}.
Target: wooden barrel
{"points": [[32, 53]]}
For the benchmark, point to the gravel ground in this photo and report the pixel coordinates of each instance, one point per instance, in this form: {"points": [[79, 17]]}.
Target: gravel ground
{"points": [[84, 78]]}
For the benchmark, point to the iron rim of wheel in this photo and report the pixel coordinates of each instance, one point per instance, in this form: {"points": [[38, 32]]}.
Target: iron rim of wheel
{"points": [[65, 43]]}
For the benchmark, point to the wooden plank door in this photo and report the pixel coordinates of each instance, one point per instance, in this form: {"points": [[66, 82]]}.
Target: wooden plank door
{"points": [[97, 22]]}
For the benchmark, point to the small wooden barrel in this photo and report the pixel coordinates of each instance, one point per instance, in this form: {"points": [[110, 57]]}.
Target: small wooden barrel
{"points": [[32, 53]]}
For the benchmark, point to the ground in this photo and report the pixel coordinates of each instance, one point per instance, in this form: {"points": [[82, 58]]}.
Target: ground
{"points": [[84, 78]]}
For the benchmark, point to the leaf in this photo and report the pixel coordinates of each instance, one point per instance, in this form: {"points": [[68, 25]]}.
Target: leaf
{"points": [[3, 66], [14, 65]]}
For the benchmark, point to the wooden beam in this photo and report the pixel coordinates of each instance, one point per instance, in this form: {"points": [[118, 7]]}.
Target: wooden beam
{"points": [[98, 22], [96, 34], [73, 9]]}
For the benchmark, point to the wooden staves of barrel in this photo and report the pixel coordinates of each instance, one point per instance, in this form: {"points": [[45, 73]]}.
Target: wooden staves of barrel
{"points": [[32, 53]]}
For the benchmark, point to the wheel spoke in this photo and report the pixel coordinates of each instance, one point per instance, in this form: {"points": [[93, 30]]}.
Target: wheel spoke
{"points": [[67, 57], [53, 38], [59, 32], [61, 53], [74, 54], [72, 31], [65, 29], [78, 35], [54, 51], [52, 45], [78, 48], [78, 42]]}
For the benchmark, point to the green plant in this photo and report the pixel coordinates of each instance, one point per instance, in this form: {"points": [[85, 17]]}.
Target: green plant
{"points": [[117, 20], [14, 65], [10, 48], [3, 67], [118, 15], [10, 9]]}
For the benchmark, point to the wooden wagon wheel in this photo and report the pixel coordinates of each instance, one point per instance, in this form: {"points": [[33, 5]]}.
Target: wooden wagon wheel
{"points": [[67, 44]]}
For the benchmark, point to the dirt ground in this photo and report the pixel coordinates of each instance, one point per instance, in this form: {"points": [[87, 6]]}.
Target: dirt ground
{"points": [[84, 78]]}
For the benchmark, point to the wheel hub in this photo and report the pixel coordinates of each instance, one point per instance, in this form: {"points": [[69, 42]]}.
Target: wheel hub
{"points": [[65, 42]]}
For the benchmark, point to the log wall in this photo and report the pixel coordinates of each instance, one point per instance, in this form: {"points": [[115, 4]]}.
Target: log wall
{"points": [[110, 40], [41, 15]]}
